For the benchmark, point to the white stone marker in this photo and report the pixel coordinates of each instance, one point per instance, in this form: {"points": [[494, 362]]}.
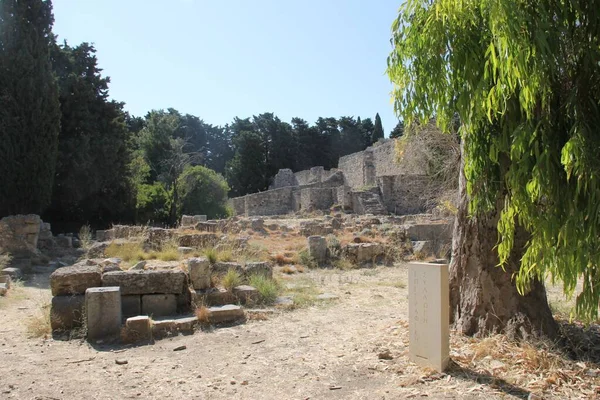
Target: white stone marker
{"points": [[428, 314], [103, 312]]}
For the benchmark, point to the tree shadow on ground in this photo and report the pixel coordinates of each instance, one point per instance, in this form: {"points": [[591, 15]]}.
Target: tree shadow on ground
{"points": [[458, 372], [579, 342]]}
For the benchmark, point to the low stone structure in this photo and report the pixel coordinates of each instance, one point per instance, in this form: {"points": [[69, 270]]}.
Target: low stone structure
{"points": [[366, 182], [103, 313]]}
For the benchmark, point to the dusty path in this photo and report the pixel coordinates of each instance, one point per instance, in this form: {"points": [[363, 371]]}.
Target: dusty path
{"points": [[329, 351]]}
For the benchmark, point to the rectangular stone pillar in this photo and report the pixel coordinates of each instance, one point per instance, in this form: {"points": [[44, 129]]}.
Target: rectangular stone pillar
{"points": [[103, 312], [428, 314]]}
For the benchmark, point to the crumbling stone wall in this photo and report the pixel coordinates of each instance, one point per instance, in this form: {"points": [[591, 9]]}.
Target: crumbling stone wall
{"points": [[284, 178], [271, 202], [316, 199], [344, 197], [403, 194], [19, 234], [239, 205], [309, 176], [384, 159], [353, 168]]}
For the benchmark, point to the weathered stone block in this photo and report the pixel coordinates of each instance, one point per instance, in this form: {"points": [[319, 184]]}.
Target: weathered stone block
{"points": [[146, 282], [206, 226], [258, 268], [213, 297], [246, 294], [138, 329], [162, 328], [75, 279], [103, 312], [226, 313], [100, 235], [221, 268], [64, 241], [186, 324], [14, 273], [138, 266], [184, 250], [67, 312], [6, 279], [317, 248], [200, 271], [131, 305], [198, 240], [97, 249], [257, 224], [191, 220], [159, 305]]}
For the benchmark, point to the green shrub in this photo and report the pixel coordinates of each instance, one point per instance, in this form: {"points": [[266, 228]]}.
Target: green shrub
{"points": [[231, 279], [211, 254], [306, 260], [268, 289], [203, 191]]}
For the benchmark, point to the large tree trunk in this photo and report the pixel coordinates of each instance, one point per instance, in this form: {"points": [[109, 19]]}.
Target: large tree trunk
{"points": [[483, 296]]}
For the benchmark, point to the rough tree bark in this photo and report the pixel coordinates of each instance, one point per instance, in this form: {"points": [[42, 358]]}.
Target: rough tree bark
{"points": [[483, 296]]}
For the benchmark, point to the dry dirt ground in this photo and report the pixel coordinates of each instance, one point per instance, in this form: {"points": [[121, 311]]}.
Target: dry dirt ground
{"points": [[323, 351]]}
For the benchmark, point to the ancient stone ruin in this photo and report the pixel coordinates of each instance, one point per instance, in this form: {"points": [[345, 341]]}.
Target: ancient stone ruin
{"points": [[367, 182]]}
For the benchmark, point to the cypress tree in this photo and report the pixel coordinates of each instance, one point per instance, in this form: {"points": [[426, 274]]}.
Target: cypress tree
{"points": [[29, 106], [378, 130]]}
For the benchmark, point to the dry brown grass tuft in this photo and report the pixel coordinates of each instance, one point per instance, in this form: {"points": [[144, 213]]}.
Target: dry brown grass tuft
{"points": [[203, 315], [38, 325], [281, 259], [288, 270]]}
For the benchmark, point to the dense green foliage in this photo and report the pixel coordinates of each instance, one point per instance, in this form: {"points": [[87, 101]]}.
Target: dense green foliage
{"points": [[91, 182], [398, 130], [378, 130], [203, 191], [29, 107], [524, 78]]}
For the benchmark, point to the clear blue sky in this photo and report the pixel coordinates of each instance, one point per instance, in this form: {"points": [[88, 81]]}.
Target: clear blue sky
{"points": [[219, 59]]}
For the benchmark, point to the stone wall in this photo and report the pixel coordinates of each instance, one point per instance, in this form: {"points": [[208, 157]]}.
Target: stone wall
{"points": [[403, 194], [309, 176], [271, 202], [353, 167], [239, 205], [361, 169], [19, 234], [316, 199], [284, 178], [344, 197], [384, 159]]}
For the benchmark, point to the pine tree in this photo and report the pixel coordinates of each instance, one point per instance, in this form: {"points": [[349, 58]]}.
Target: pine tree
{"points": [[378, 130], [92, 177], [29, 106], [398, 130]]}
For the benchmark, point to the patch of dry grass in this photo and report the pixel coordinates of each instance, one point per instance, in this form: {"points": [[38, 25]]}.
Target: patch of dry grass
{"points": [[343, 264], [85, 237], [281, 259], [288, 270], [127, 251], [132, 252], [38, 325], [203, 314]]}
